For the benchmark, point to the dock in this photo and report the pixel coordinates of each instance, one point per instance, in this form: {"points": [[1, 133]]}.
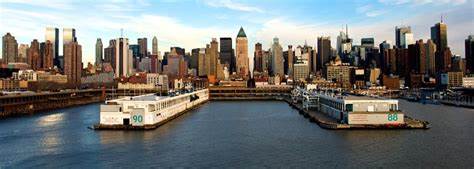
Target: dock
{"points": [[327, 122]]}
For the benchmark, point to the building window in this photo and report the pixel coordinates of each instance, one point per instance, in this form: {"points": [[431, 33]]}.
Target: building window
{"points": [[349, 107]]}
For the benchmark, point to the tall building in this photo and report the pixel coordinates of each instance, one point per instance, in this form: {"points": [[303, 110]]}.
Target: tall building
{"points": [[9, 48], [384, 48], [469, 50], [123, 58], [202, 68], [407, 39], [194, 60], [324, 51], [300, 71], [109, 53], [367, 42], [73, 63], [290, 60], [212, 55], [154, 46], [440, 38], [258, 58], [98, 52], [34, 57], [226, 55], [52, 35], [241, 53], [430, 53], [176, 66], [143, 43], [277, 58], [344, 43], [417, 53], [47, 54], [401, 39], [69, 35], [266, 66], [23, 53]]}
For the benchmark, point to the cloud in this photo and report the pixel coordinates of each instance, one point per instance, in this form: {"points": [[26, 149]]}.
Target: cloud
{"points": [[422, 2], [52, 4], [369, 11], [229, 4]]}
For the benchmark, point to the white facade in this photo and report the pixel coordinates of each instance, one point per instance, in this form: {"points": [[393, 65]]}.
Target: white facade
{"points": [[360, 109], [124, 60], [148, 109], [407, 39]]}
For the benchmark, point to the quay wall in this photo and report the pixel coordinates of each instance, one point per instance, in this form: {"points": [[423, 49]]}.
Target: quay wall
{"points": [[27, 104]]}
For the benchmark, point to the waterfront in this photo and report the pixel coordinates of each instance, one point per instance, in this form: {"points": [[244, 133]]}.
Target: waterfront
{"points": [[239, 134]]}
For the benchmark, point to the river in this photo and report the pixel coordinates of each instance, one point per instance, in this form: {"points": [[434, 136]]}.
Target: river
{"points": [[239, 134]]}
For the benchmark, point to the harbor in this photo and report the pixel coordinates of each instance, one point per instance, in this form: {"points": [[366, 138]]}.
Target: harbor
{"points": [[328, 109], [258, 133]]}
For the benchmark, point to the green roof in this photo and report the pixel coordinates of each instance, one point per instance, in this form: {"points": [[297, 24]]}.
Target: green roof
{"points": [[241, 33]]}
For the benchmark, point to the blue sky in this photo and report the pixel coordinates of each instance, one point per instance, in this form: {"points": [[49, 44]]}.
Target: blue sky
{"points": [[192, 23]]}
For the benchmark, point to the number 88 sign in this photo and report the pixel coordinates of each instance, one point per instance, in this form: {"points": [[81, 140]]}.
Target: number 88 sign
{"points": [[392, 117]]}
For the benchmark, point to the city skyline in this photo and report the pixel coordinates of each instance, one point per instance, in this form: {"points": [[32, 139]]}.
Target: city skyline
{"points": [[262, 22]]}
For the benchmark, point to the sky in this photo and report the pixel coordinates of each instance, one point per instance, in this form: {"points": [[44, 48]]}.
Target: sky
{"points": [[193, 23]]}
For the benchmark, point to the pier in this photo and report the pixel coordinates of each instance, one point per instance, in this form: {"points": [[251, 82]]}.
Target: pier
{"points": [[240, 93], [327, 122]]}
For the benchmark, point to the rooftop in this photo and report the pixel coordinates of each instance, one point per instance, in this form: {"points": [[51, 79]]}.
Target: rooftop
{"points": [[241, 33]]}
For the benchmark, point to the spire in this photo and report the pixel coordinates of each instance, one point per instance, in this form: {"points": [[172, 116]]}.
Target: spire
{"points": [[347, 31], [441, 18], [241, 33]]}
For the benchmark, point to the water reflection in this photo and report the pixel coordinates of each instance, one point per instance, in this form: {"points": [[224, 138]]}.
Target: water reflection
{"points": [[50, 120]]}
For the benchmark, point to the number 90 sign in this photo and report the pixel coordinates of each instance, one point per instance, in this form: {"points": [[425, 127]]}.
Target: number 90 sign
{"points": [[137, 118]]}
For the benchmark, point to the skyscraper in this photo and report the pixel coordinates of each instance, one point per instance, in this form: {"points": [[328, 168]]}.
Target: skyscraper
{"points": [[69, 35], [47, 53], [258, 58], [277, 58], [344, 43], [123, 58], [73, 63], [23, 53], [241, 53], [98, 52], [367, 42], [401, 39], [143, 43], [417, 52], [440, 38], [226, 55], [194, 60], [109, 53], [212, 55], [385, 59], [430, 48], [324, 51], [290, 60], [154, 46], [52, 35], [34, 57], [9, 48], [469, 50], [202, 62]]}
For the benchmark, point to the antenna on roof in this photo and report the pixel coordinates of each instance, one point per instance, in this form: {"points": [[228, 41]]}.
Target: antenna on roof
{"points": [[347, 31], [442, 18], [121, 32]]}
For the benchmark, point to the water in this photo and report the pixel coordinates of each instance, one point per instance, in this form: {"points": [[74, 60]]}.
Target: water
{"points": [[239, 134]]}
